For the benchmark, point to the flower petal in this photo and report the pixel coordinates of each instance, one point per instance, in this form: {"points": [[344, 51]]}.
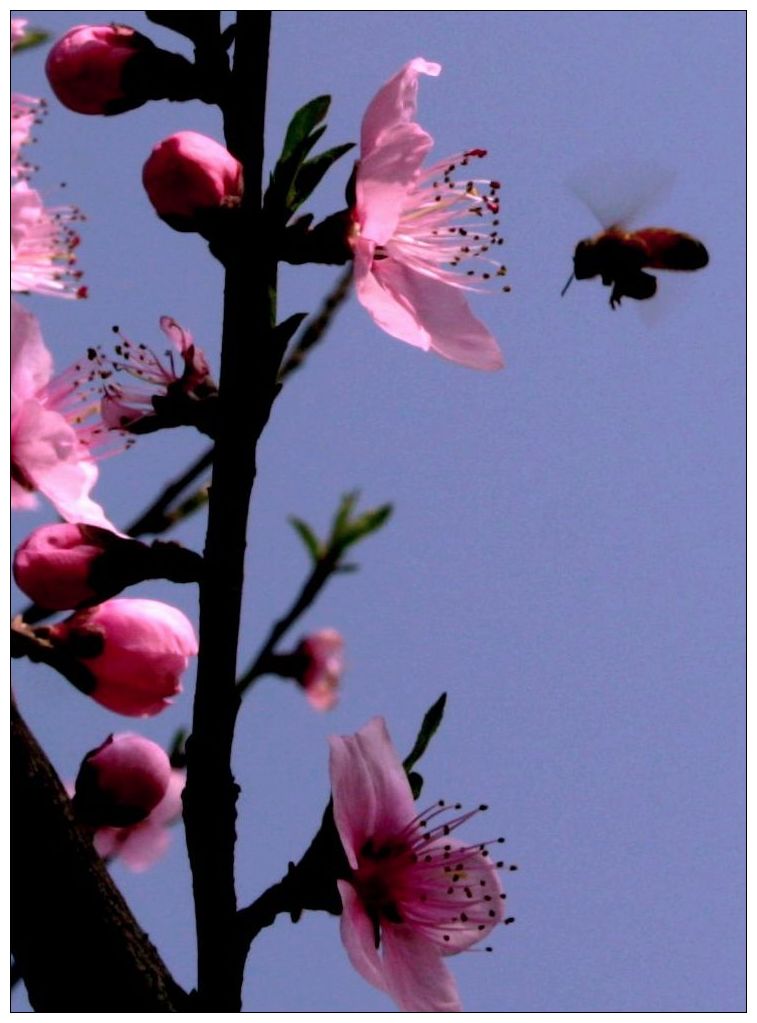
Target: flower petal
{"points": [[44, 448], [181, 339], [439, 314], [389, 309], [372, 797], [415, 975], [394, 103], [357, 935], [384, 178], [31, 363], [483, 879]]}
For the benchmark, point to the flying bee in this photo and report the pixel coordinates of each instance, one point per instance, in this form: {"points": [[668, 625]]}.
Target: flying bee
{"points": [[620, 257]]}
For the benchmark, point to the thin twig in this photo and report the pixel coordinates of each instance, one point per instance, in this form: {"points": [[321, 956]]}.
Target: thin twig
{"points": [[321, 572], [155, 519], [318, 325]]}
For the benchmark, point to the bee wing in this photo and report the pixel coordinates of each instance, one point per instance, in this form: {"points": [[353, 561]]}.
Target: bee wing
{"points": [[618, 193]]}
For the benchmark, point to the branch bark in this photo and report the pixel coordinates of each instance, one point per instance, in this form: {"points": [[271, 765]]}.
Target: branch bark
{"points": [[250, 362], [74, 939]]}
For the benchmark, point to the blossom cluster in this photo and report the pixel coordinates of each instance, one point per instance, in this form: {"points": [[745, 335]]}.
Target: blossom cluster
{"points": [[421, 237]]}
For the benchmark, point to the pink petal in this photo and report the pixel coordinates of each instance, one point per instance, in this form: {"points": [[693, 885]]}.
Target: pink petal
{"points": [[372, 797], [170, 808], [384, 178], [142, 844], [440, 315], [482, 876], [31, 363], [394, 103], [145, 844], [415, 975], [21, 497], [390, 311], [181, 339], [357, 935], [44, 447]]}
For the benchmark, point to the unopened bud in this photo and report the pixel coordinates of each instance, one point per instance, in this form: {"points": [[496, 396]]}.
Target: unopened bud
{"points": [[135, 651], [322, 663], [120, 782], [53, 565], [86, 68], [189, 175]]}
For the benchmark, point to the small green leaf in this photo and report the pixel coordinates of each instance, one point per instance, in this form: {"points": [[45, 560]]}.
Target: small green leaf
{"points": [[416, 783], [343, 512], [32, 37], [431, 721], [302, 124], [177, 752], [307, 536], [365, 524], [279, 195], [312, 171]]}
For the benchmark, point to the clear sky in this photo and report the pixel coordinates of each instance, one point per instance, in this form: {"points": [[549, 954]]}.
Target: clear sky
{"points": [[565, 556]]}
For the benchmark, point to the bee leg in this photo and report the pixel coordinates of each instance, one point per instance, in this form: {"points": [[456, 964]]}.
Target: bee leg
{"points": [[615, 296]]}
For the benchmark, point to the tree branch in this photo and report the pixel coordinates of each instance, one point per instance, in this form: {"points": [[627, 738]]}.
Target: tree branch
{"points": [[74, 939], [249, 365]]}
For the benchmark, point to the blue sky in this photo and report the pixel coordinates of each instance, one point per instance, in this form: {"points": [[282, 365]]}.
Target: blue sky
{"points": [[565, 556]]}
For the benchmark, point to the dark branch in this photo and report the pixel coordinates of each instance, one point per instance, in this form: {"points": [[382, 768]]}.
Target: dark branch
{"points": [[75, 942], [249, 366]]}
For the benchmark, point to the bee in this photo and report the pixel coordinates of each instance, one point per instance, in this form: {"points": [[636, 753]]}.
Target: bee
{"points": [[621, 257]]}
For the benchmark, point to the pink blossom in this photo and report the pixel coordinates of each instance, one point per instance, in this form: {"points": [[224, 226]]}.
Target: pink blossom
{"points": [[140, 845], [18, 31], [123, 406], [86, 66], [121, 781], [52, 451], [188, 174], [54, 563], [413, 227], [43, 245], [322, 653], [135, 650], [415, 894]]}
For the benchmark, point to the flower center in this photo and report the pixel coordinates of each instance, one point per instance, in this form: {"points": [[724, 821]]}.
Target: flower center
{"points": [[433, 885]]}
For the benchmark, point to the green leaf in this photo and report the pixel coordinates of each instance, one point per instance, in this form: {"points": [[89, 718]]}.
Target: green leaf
{"points": [[278, 197], [312, 171], [302, 124], [416, 783], [343, 512], [307, 536], [177, 752], [33, 37], [431, 721], [367, 523]]}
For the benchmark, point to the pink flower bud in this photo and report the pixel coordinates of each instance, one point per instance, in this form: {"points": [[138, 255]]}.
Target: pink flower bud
{"points": [[120, 782], [85, 68], [135, 650], [140, 845], [323, 665], [188, 174], [53, 565]]}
